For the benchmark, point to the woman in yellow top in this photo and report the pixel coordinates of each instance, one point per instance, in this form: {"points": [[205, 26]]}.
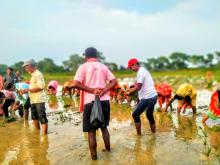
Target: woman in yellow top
{"points": [[186, 96]]}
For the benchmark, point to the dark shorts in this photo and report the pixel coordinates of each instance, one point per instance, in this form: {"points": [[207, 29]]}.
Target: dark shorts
{"points": [[38, 112], [87, 111]]}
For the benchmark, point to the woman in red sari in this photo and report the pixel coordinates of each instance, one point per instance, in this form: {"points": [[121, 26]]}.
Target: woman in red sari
{"points": [[214, 107], [164, 92]]}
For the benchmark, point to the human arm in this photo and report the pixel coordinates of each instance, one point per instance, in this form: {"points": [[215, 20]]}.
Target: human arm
{"points": [[31, 90], [109, 86], [79, 85], [136, 87], [169, 104]]}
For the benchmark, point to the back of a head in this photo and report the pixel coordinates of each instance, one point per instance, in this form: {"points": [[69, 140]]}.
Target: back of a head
{"points": [[91, 52]]}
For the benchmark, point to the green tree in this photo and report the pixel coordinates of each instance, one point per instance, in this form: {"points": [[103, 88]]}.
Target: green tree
{"points": [[48, 65], [73, 63], [209, 60], [18, 66], [3, 68], [197, 60], [151, 64], [101, 57], [217, 54], [163, 63], [112, 66], [179, 60]]}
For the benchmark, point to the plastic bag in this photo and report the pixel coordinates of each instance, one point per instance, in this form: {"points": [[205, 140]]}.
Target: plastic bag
{"points": [[97, 118]]}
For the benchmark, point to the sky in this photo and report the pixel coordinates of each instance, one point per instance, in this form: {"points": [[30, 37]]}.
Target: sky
{"points": [[120, 29]]}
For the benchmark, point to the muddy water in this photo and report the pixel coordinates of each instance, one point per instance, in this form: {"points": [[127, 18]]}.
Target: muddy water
{"points": [[180, 139]]}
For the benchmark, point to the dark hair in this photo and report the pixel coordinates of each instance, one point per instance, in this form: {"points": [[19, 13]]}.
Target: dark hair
{"points": [[9, 86], [50, 87], [2, 95], [91, 52], [10, 68]]}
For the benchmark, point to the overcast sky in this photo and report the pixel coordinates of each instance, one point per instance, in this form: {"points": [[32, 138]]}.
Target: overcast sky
{"points": [[121, 29]]}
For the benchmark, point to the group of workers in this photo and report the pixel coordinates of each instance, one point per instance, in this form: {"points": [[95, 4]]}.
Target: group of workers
{"points": [[93, 78]]}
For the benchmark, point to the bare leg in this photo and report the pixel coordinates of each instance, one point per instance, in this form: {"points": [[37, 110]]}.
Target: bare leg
{"points": [[106, 139], [138, 128], [36, 124], [205, 117], [44, 128], [92, 144], [153, 128], [26, 114], [178, 110]]}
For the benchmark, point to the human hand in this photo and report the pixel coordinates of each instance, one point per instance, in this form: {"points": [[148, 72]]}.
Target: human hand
{"points": [[126, 93], [97, 91], [22, 91], [102, 92]]}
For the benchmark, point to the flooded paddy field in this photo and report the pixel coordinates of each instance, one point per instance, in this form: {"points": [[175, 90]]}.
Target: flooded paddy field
{"points": [[179, 139]]}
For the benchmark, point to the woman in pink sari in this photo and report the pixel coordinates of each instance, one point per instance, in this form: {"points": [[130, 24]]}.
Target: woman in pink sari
{"points": [[52, 87]]}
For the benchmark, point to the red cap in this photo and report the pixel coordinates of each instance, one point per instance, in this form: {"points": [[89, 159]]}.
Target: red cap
{"points": [[131, 62]]}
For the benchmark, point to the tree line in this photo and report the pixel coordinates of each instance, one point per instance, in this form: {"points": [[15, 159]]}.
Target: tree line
{"points": [[174, 61]]}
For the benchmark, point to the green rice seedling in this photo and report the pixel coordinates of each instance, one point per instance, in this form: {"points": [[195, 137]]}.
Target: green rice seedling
{"points": [[207, 151], [204, 141], [204, 133], [169, 116], [218, 157], [158, 109], [10, 119], [161, 120], [2, 123], [190, 122], [179, 122]]}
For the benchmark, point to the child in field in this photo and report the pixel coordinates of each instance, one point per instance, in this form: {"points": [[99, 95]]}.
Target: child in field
{"points": [[214, 107]]}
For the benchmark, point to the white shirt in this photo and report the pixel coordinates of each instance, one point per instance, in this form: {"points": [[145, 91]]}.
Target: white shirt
{"points": [[147, 90]]}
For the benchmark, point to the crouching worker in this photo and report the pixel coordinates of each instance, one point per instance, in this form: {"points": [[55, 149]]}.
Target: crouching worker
{"points": [[186, 96], [164, 92], [214, 107], [2, 101], [23, 99], [94, 77], [146, 93], [9, 99], [52, 87]]}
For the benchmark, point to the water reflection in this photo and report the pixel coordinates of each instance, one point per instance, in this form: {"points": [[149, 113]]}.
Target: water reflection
{"points": [[144, 150], [164, 122], [23, 145], [53, 102], [186, 128], [20, 144]]}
